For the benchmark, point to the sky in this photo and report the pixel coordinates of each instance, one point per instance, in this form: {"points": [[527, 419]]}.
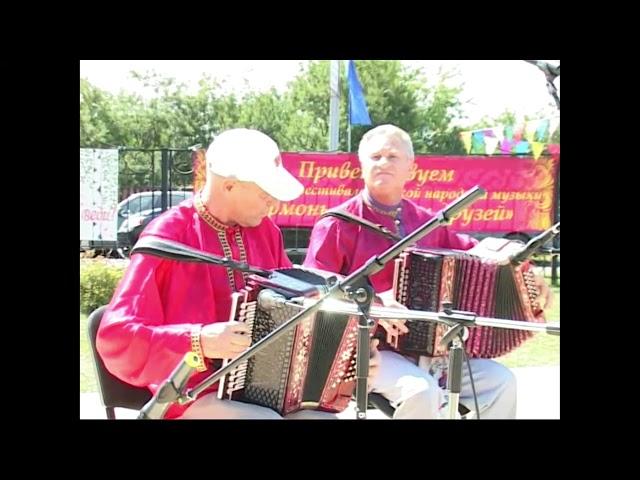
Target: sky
{"points": [[489, 86]]}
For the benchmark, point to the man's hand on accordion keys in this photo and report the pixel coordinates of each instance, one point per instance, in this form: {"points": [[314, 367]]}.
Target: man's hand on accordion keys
{"points": [[394, 328], [225, 340], [545, 299]]}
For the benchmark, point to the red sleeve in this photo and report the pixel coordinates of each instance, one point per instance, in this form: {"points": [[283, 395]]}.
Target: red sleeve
{"points": [[283, 259], [460, 241], [324, 252], [133, 340]]}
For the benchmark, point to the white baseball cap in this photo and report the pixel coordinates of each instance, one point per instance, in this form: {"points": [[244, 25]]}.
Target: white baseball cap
{"points": [[252, 156]]}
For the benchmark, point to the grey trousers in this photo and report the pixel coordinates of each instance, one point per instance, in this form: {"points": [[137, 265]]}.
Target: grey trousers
{"points": [[415, 393], [210, 407], [411, 390]]}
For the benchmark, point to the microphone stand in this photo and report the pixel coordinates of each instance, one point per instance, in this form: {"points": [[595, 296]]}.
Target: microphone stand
{"points": [[550, 73], [171, 390], [453, 339], [457, 321], [354, 285]]}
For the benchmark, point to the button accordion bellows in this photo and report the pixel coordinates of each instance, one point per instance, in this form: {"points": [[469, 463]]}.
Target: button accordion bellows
{"points": [[311, 366], [425, 279]]}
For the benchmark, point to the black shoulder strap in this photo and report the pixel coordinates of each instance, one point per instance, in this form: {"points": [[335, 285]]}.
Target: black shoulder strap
{"points": [[347, 217], [161, 247]]}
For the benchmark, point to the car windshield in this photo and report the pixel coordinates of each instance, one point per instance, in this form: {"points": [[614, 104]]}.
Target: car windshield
{"points": [[149, 200], [174, 199], [136, 205]]}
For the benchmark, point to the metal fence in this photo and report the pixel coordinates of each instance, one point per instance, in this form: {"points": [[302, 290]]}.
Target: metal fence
{"points": [[152, 180]]}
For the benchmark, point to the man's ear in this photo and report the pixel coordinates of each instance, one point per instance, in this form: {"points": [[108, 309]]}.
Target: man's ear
{"points": [[229, 184], [412, 167]]}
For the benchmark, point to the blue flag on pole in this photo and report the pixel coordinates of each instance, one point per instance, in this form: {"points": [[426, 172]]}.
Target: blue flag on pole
{"points": [[358, 113]]}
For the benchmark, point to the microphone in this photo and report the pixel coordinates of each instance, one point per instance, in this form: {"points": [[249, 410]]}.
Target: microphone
{"points": [[268, 300], [534, 244], [550, 71]]}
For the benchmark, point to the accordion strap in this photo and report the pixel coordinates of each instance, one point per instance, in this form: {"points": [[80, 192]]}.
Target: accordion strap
{"points": [[161, 247], [374, 227]]}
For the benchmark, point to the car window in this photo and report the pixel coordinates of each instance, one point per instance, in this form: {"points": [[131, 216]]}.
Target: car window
{"points": [[177, 197], [174, 199], [138, 204], [157, 200]]}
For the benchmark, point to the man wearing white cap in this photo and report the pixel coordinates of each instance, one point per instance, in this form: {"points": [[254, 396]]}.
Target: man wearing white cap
{"points": [[163, 308]]}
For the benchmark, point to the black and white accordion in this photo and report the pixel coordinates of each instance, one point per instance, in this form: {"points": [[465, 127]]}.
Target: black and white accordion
{"points": [[311, 366], [480, 280]]}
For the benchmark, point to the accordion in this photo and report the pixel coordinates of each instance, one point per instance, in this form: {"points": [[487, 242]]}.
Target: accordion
{"points": [[310, 366], [481, 280]]}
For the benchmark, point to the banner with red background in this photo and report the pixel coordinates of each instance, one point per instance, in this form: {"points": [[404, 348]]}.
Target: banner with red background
{"points": [[520, 190]]}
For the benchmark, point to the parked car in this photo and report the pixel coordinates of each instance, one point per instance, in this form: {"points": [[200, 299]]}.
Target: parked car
{"points": [[135, 213]]}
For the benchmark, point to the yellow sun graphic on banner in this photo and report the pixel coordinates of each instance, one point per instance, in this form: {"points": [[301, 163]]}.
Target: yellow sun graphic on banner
{"points": [[544, 183]]}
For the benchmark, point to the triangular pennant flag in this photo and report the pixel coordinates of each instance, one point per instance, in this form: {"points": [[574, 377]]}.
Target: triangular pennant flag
{"points": [[553, 149], [508, 132], [477, 142], [536, 148], [505, 146], [517, 133], [498, 132], [491, 143], [521, 147], [530, 130], [542, 130], [466, 140]]}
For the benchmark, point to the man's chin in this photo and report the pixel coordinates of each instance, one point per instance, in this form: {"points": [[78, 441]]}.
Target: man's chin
{"points": [[252, 223], [380, 186]]}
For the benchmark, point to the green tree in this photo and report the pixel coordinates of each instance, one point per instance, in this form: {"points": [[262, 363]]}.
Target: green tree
{"points": [[297, 119], [394, 94], [94, 115], [506, 118]]}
